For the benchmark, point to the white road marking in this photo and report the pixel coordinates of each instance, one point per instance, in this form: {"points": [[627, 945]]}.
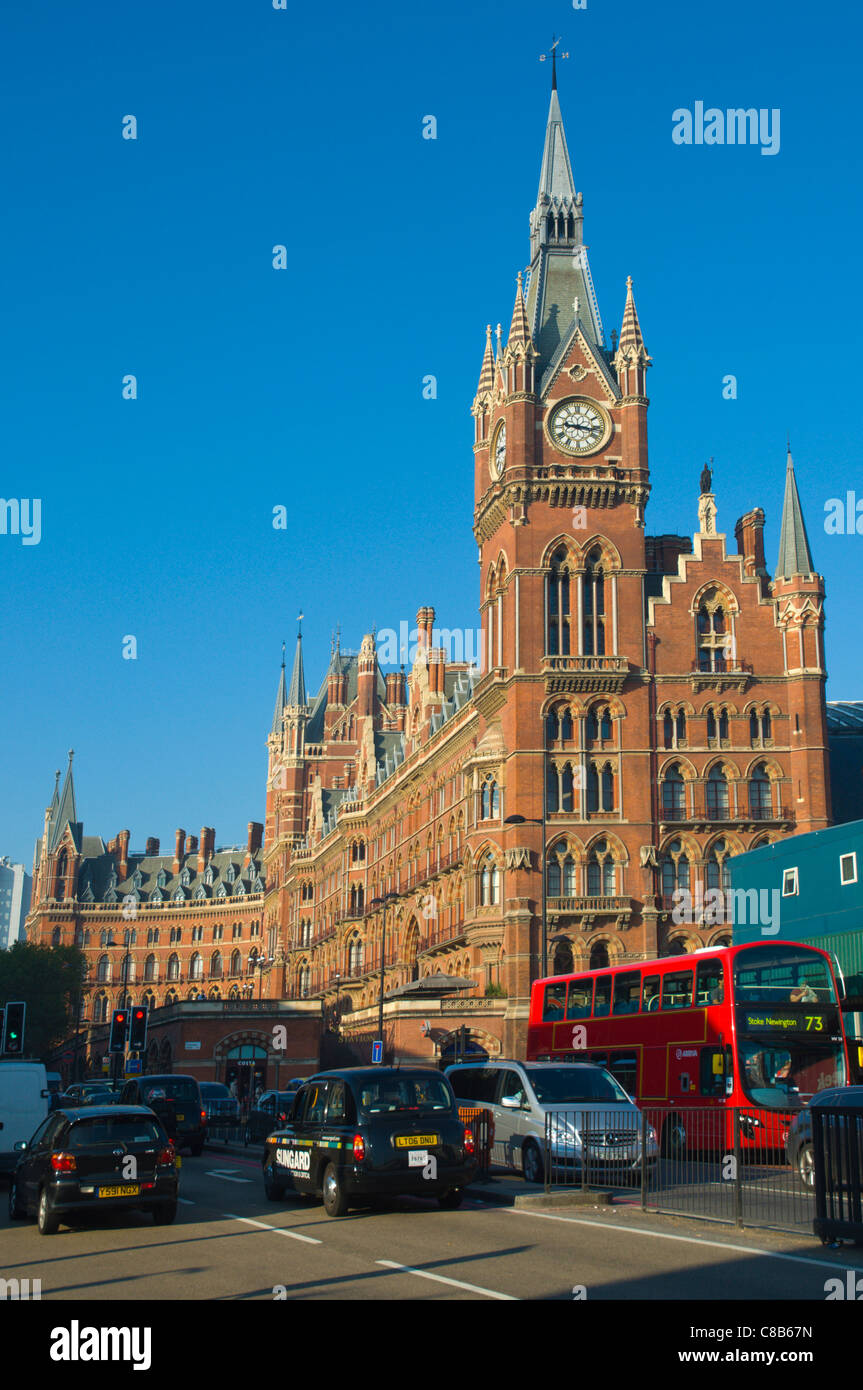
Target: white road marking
{"points": [[226, 1176], [186, 1201], [275, 1230], [685, 1240], [440, 1279]]}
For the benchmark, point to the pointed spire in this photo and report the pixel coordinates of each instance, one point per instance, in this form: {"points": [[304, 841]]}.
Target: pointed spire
{"points": [[486, 376], [630, 331], [519, 330], [555, 176], [65, 812], [795, 556], [297, 693], [281, 698], [55, 799]]}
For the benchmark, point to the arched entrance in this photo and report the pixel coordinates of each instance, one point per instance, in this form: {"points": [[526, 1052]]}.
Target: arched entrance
{"points": [[246, 1064]]}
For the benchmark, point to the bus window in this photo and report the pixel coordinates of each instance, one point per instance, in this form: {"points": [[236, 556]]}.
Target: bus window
{"points": [[624, 1068], [579, 1001], [708, 983], [599, 1059], [677, 990], [627, 989], [554, 1002], [712, 1077], [650, 998], [602, 998]]}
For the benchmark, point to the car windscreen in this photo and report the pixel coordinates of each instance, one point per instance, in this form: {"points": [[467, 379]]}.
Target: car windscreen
{"points": [[213, 1090], [113, 1129], [403, 1095], [172, 1087], [565, 1085]]}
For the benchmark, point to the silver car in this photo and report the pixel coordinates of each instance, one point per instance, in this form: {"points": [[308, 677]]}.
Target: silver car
{"points": [[574, 1112]]}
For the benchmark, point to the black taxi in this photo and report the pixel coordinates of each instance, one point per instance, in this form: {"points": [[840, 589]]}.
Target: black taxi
{"points": [[363, 1132]]}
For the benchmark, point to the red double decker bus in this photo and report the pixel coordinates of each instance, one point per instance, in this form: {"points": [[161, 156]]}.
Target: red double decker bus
{"points": [[756, 1026]]}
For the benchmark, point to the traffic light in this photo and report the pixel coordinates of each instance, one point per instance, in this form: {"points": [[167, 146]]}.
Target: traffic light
{"points": [[13, 1029], [117, 1040], [138, 1029]]}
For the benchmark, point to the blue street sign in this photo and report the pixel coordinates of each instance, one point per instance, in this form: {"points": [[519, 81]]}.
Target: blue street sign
{"points": [[133, 1066], [377, 1051]]}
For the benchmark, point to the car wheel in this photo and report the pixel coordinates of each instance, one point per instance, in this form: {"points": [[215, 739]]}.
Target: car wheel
{"points": [[16, 1210], [48, 1221], [452, 1199], [247, 1136], [531, 1162], [806, 1165], [335, 1197], [673, 1139], [272, 1187], [163, 1216]]}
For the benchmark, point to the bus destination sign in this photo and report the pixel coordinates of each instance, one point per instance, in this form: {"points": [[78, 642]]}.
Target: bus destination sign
{"points": [[806, 1020]]}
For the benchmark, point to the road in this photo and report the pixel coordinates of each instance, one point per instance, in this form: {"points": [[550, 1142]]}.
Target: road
{"points": [[229, 1242]]}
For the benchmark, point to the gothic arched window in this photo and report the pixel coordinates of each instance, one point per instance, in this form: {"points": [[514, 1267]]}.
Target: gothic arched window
{"points": [[760, 798], [593, 606], [557, 594], [600, 871], [673, 794], [717, 872], [675, 869], [717, 794], [489, 882]]}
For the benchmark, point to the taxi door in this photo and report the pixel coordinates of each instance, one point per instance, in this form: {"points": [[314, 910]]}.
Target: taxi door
{"points": [[296, 1156]]}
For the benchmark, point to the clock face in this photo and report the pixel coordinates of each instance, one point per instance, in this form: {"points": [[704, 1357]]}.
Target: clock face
{"points": [[498, 451], [578, 427]]}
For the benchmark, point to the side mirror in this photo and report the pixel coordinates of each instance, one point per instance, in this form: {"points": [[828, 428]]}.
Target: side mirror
{"points": [[20, 1146], [510, 1102]]}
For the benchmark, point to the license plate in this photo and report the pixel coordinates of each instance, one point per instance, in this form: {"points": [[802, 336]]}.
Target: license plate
{"points": [[417, 1158], [416, 1141], [181, 1117], [132, 1190]]}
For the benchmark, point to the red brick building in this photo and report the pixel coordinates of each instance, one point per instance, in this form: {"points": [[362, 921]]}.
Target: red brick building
{"points": [[649, 704], [645, 707]]}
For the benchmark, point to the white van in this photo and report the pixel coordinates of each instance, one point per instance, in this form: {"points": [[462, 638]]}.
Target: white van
{"points": [[24, 1098], [568, 1111]]}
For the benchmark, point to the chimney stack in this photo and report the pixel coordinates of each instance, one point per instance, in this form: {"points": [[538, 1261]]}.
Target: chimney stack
{"points": [[425, 627], [179, 850], [152, 846], [123, 864], [437, 670], [208, 844], [749, 533], [255, 836], [192, 844]]}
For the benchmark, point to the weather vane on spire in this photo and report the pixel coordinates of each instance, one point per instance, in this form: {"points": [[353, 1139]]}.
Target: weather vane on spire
{"points": [[553, 53]]}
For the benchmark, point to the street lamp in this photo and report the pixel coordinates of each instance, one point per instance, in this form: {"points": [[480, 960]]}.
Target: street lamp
{"points": [[374, 905], [527, 820]]}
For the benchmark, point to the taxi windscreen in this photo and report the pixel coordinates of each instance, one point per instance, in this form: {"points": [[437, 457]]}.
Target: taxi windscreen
{"points": [[171, 1088], [396, 1095]]}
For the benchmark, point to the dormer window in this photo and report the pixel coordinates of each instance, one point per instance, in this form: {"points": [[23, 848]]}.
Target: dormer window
{"points": [[208, 876], [179, 896], [137, 878], [240, 890], [200, 892], [230, 873], [162, 878], [221, 891], [185, 878], [156, 896]]}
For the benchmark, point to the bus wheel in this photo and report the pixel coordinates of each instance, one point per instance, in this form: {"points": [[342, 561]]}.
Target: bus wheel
{"points": [[531, 1162], [673, 1139]]}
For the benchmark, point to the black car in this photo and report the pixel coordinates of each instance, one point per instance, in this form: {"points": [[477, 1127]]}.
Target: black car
{"points": [[270, 1111], [223, 1109], [372, 1131], [177, 1101], [94, 1158], [798, 1144]]}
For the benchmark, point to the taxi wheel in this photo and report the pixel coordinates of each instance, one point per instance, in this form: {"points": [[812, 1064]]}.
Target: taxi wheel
{"points": [[272, 1188], [48, 1222], [163, 1216], [452, 1199], [335, 1198], [16, 1211]]}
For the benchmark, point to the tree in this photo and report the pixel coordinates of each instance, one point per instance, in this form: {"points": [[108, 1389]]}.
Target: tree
{"points": [[49, 980]]}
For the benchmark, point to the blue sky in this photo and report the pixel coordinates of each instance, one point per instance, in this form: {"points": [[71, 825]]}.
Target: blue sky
{"points": [[304, 387]]}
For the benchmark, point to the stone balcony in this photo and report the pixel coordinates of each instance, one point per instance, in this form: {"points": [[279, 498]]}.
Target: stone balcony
{"points": [[594, 675]]}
